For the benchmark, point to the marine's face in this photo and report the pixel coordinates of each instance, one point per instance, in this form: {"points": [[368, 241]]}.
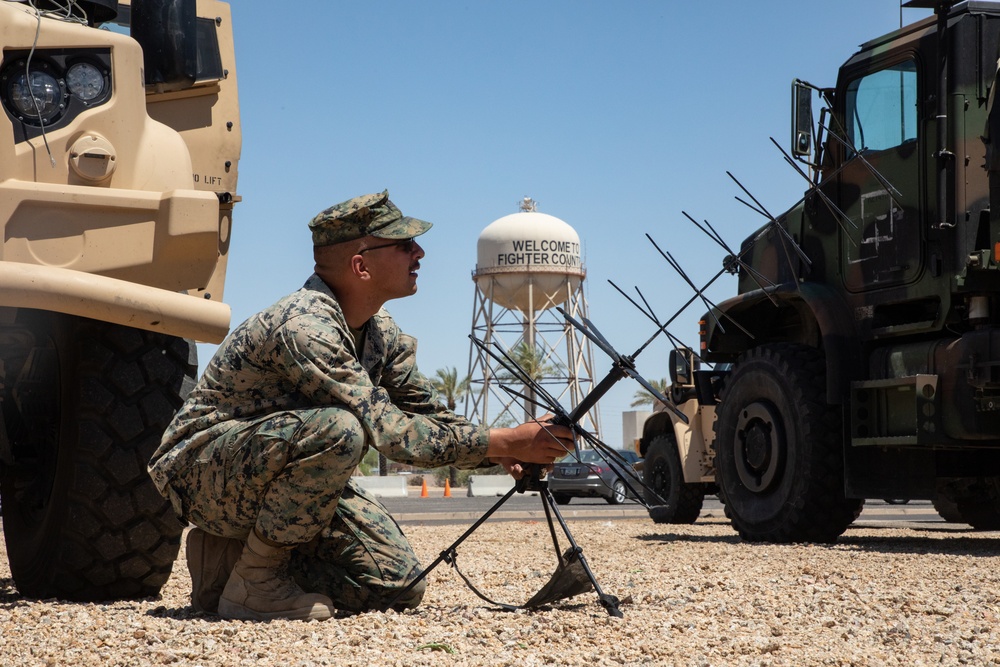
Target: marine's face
{"points": [[394, 265]]}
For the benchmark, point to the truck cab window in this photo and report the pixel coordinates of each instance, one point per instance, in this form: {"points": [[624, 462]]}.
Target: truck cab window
{"points": [[882, 108]]}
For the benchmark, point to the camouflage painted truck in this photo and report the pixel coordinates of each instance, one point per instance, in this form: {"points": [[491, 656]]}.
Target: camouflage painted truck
{"points": [[866, 359], [119, 141]]}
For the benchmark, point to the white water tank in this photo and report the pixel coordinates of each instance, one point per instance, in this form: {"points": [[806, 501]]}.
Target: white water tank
{"points": [[528, 261]]}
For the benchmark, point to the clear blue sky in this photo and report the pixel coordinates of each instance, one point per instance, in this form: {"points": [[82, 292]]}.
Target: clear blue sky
{"points": [[613, 116]]}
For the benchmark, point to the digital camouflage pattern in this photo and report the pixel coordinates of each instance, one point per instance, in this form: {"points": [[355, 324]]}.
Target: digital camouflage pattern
{"points": [[367, 215], [281, 418], [361, 560]]}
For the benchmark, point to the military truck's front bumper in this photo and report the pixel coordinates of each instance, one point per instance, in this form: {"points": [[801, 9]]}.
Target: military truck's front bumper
{"points": [[112, 300]]}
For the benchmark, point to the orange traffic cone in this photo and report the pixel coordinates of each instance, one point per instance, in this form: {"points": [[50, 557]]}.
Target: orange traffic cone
{"points": [[423, 489], [447, 488]]}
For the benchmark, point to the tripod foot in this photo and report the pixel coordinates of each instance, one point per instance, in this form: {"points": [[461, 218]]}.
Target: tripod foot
{"points": [[610, 603]]}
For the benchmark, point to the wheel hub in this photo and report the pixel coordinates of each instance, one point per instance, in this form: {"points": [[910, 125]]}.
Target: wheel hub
{"points": [[660, 479], [759, 446]]}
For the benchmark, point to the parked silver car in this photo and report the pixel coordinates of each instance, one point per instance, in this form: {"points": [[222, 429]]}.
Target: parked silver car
{"points": [[590, 475]]}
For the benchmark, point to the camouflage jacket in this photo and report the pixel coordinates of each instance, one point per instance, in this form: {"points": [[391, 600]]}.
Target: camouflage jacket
{"points": [[300, 353]]}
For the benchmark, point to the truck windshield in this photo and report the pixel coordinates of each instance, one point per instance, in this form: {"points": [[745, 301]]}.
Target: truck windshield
{"points": [[882, 108]]}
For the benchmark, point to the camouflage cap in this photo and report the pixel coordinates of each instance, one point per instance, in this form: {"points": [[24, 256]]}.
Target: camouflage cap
{"points": [[367, 215]]}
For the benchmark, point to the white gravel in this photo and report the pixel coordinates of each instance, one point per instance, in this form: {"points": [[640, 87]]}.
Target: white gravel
{"points": [[692, 595]]}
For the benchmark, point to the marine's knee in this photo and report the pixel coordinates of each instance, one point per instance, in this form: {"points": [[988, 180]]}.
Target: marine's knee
{"points": [[334, 431], [352, 441]]}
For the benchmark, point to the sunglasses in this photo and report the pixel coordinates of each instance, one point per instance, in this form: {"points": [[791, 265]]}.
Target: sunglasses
{"points": [[405, 245]]}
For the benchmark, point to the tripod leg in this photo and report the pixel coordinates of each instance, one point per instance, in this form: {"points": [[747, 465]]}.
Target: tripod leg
{"points": [[447, 554], [609, 602]]}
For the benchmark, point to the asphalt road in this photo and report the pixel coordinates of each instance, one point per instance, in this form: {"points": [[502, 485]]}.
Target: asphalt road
{"points": [[460, 508]]}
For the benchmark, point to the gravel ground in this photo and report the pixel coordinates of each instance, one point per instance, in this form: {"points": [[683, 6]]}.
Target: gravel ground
{"points": [[691, 595]]}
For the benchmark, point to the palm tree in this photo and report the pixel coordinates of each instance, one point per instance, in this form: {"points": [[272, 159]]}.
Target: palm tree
{"points": [[447, 384], [643, 397], [533, 361]]}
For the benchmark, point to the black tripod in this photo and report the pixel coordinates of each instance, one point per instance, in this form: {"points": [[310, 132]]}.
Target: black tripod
{"points": [[573, 575]]}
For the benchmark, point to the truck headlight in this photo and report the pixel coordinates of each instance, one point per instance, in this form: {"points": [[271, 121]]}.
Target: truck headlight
{"points": [[85, 81], [46, 89], [37, 97]]}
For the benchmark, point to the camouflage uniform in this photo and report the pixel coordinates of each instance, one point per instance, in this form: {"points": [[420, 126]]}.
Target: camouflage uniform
{"points": [[281, 418]]}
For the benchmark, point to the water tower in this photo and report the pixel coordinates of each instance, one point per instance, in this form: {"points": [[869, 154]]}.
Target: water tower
{"points": [[527, 264]]}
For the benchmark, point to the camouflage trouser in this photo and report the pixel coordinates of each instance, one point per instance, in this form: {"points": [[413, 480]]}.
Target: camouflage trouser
{"points": [[288, 476]]}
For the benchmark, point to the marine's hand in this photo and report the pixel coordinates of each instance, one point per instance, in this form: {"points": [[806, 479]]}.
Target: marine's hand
{"points": [[518, 469], [538, 441], [513, 467]]}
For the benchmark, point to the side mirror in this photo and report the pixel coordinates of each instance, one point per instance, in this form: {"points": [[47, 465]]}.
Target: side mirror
{"points": [[683, 364], [802, 120]]}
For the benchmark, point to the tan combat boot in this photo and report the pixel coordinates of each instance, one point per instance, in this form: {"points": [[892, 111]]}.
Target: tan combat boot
{"points": [[210, 560], [261, 587]]}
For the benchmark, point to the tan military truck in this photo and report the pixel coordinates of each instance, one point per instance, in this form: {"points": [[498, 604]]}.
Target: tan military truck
{"points": [[119, 144]]}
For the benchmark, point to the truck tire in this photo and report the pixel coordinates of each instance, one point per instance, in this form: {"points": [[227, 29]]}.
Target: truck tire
{"points": [[971, 500], [81, 516], [670, 499], [946, 495], [947, 509], [779, 458]]}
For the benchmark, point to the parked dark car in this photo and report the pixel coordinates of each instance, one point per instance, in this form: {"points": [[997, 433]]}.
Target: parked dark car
{"points": [[590, 475]]}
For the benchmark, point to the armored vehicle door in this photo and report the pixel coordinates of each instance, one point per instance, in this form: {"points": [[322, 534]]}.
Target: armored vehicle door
{"points": [[879, 184]]}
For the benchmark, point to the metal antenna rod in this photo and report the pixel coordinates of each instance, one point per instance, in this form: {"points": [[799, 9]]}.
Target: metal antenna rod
{"points": [[752, 272], [648, 313], [774, 221], [712, 307], [623, 366], [833, 208], [673, 339], [738, 258], [670, 320], [883, 181]]}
